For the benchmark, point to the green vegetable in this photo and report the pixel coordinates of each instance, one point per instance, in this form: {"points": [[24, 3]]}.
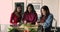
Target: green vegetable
{"points": [[32, 30], [13, 30]]}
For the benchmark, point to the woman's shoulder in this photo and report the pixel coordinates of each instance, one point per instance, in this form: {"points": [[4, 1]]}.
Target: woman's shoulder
{"points": [[12, 14], [25, 12], [34, 13], [50, 15]]}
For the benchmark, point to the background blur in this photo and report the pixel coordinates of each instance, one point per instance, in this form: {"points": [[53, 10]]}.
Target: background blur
{"points": [[7, 7]]}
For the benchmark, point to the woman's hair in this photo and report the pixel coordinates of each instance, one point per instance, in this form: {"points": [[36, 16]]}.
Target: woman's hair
{"points": [[19, 13], [32, 7], [46, 9], [16, 8]]}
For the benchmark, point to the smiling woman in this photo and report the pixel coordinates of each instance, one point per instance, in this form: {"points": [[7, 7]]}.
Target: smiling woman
{"points": [[7, 9], [16, 16], [30, 16], [46, 18]]}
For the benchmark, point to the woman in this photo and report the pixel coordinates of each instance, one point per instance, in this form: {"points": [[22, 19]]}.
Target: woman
{"points": [[46, 19], [16, 15], [30, 16]]}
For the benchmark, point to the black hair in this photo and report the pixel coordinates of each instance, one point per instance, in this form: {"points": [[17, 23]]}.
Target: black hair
{"points": [[16, 7], [32, 7], [46, 9]]}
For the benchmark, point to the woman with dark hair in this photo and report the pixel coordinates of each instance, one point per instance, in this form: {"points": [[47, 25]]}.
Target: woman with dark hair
{"points": [[30, 16], [46, 19], [16, 15]]}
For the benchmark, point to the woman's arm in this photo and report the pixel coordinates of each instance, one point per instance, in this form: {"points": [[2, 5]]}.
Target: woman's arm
{"points": [[24, 18], [35, 18], [11, 19], [48, 21]]}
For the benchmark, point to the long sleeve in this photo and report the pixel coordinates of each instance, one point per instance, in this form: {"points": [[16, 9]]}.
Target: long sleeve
{"points": [[35, 18], [30, 17], [11, 18], [23, 18], [48, 21]]}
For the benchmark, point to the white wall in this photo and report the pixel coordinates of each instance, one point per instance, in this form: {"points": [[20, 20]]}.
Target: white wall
{"points": [[5, 11], [59, 12]]}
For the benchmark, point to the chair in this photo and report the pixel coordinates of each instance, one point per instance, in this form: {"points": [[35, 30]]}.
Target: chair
{"points": [[55, 28]]}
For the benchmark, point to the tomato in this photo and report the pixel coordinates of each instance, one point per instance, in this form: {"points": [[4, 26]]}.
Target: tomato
{"points": [[26, 31]]}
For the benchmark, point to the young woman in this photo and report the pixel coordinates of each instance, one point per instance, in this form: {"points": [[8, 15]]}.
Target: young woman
{"points": [[46, 19], [16, 15], [30, 16]]}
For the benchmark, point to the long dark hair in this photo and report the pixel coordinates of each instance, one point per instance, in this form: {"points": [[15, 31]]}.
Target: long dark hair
{"points": [[32, 7], [16, 8], [46, 9], [19, 13]]}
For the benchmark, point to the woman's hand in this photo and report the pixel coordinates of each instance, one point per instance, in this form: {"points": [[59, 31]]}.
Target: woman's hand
{"points": [[25, 22], [36, 23], [18, 23], [13, 21], [11, 24], [41, 24]]}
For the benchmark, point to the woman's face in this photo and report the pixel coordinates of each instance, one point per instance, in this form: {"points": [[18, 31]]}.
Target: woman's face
{"points": [[43, 12], [29, 9], [19, 9]]}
